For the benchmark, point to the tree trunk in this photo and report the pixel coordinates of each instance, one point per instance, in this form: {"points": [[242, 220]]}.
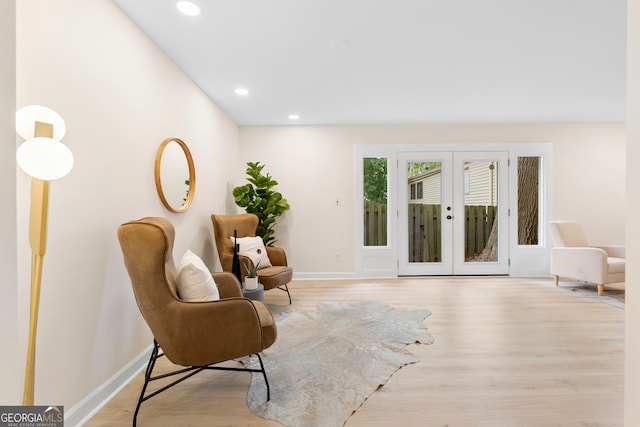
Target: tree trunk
{"points": [[528, 184], [528, 172], [490, 251]]}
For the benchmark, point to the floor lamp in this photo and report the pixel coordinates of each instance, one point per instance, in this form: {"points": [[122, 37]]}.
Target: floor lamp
{"points": [[44, 158]]}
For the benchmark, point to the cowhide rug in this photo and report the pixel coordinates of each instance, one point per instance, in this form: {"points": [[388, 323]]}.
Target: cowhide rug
{"points": [[324, 364]]}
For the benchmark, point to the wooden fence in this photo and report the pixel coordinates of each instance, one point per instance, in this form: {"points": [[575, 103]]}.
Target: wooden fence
{"points": [[424, 225], [375, 224], [425, 233], [477, 228]]}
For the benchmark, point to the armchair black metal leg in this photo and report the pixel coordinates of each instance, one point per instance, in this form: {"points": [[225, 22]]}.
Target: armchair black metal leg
{"points": [[184, 374], [147, 378], [286, 289], [264, 374]]}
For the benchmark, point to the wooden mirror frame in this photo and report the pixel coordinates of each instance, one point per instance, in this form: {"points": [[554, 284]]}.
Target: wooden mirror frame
{"points": [[192, 175]]}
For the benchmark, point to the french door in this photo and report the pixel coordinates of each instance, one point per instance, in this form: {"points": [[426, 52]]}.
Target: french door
{"points": [[452, 213]]}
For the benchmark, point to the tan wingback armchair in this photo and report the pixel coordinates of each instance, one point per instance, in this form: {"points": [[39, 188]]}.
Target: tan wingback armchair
{"points": [[574, 258], [277, 276], [191, 334]]}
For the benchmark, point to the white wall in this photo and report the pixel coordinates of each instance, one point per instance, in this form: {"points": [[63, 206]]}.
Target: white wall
{"points": [[314, 166], [120, 97], [9, 393], [632, 312]]}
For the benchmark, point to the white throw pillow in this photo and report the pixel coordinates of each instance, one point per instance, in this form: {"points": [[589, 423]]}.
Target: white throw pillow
{"points": [[194, 280], [253, 248]]}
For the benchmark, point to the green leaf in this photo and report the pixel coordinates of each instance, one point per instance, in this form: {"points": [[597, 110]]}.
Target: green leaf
{"points": [[259, 197]]}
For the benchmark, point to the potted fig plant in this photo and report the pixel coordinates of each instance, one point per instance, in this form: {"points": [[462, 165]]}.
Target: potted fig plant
{"points": [[259, 197]]}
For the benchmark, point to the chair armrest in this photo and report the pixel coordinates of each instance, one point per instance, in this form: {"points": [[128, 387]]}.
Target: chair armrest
{"points": [[276, 255], [617, 251], [228, 286], [216, 331], [582, 263]]}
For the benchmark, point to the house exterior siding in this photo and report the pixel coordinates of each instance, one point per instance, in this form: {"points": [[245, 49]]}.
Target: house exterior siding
{"points": [[478, 184]]}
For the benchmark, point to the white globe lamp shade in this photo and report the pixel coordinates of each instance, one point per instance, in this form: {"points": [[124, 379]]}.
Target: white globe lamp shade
{"points": [[26, 118], [44, 158]]}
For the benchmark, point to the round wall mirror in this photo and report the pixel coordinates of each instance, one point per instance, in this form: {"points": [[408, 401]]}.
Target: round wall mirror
{"points": [[175, 175]]}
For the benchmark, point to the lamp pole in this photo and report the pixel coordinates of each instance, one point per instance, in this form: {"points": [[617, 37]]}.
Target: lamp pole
{"points": [[43, 157], [38, 241]]}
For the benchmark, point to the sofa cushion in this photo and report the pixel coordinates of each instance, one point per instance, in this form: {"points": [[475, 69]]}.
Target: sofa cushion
{"points": [[272, 277]]}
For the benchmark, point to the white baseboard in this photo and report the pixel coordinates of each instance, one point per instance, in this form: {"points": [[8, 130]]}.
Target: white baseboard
{"points": [[324, 275], [344, 275], [96, 400]]}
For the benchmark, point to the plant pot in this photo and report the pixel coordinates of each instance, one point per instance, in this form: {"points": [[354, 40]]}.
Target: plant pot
{"points": [[250, 283]]}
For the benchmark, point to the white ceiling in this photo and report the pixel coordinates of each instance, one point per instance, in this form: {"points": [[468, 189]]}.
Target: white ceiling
{"points": [[399, 61]]}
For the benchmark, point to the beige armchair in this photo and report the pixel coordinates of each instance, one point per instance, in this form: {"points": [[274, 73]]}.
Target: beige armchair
{"points": [[574, 258], [277, 276], [195, 335]]}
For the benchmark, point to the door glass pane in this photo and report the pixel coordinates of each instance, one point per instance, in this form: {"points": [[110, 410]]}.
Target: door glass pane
{"points": [[528, 196], [375, 201], [424, 224], [481, 211]]}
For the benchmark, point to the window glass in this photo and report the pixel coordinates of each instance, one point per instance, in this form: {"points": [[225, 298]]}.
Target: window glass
{"points": [[424, 239], [375, 181], [481, 211], [528, 200]]}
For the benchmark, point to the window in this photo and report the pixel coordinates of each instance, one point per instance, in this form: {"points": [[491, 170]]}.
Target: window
{"points": [[528, 200], [375, 183], [419, 190]]}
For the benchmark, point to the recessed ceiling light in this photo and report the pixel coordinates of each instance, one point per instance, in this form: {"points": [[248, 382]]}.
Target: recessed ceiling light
{"points": [[293, 117], [242, 91], [188, 8]]}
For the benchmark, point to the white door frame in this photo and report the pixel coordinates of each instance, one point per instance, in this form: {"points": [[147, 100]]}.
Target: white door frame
{"points": [[452, 214], [445, 266], [383, 261], [460, 266]]}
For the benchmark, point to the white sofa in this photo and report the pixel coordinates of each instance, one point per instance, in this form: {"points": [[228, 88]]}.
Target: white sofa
{"points": [[573, 257]]}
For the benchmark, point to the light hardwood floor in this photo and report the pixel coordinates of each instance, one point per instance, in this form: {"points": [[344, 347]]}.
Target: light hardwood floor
{"points": [[507, 352]]}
